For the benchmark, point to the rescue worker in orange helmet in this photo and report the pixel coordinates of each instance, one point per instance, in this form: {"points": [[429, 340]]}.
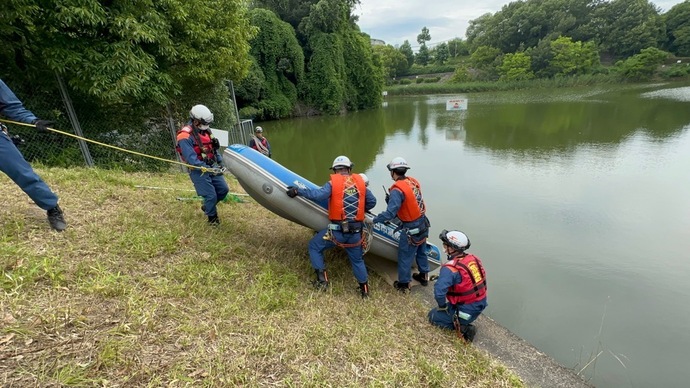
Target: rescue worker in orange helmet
{"points": [[197, 147], [405, 201], [348, 201], [460, 289]]}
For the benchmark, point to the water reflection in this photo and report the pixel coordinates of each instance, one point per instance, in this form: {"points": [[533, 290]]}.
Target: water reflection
{"points": [[560, 127]]}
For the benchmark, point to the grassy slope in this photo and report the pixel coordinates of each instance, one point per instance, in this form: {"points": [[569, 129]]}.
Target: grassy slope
{"points": [[139, 291]]}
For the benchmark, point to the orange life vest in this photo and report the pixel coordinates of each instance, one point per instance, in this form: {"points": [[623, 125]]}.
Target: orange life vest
{"points": [[202, 144], [347, 186], [413, 206], [472, 287]]}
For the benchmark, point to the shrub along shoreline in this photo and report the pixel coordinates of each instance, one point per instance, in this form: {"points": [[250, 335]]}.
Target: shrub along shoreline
{"points": [[139, 291]]}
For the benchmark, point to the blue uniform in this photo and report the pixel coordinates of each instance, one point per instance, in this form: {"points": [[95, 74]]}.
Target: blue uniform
{"points": [[406, 249], [213, 188], [317, 245], [12, 162], [447, 279]]}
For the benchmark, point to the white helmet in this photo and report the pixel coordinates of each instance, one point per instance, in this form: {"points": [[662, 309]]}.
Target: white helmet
{"points": [[342, 161], [398, 163], [201, 113], [455, 239], [365, 178], [259, 130]]}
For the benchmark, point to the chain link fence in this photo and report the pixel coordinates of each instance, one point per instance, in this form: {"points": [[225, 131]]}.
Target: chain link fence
{"points": [[146, 129]]}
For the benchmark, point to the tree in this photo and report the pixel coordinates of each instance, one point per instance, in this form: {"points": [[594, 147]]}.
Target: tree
{"points": [[442, 53], [423, 56], [139, 50], [393, 61], [270, 90], [642, 66], [677, 21], [628, 26], [457, 47], [515, 67], [406, 50], [486, 59], [424, 36], [571, 58]]}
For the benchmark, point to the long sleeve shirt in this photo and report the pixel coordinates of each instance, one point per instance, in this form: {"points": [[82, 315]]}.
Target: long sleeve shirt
{"points": [[12, 108], [394, 202]]}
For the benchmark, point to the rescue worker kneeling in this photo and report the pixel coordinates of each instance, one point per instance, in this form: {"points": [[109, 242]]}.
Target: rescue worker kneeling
{"points": [[462, 282], [348, 200]]}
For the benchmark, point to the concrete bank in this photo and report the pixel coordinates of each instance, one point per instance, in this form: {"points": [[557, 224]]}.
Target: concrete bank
{"points": [[535, 368]]}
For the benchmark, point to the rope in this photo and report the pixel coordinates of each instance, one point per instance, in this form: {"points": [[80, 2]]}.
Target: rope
{"points": [[329, 236], [203, 169]]}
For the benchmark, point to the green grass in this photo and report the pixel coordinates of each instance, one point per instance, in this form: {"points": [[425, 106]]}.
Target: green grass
{"points": [[139, 291]]}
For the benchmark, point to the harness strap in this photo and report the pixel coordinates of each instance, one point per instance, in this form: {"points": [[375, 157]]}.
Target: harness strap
{"points": [[329, 236]]}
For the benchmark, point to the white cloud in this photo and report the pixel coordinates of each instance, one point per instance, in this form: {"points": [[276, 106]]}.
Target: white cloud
{"points": [[395, 21]]}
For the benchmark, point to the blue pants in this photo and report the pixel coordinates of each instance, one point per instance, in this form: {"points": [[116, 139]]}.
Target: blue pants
{"points": [[408, 251], [213, 188], [444, 319], [317, 245], [19, 170]]}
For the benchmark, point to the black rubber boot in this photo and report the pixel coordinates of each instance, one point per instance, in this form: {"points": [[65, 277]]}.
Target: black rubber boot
{"points": [[213, 220], [56, 219], [321, 282], [468, 332], [402, 287], [364, 290], [422, 278]]}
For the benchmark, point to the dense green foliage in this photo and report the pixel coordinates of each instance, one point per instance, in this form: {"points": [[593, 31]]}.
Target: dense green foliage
{"points": [[270, 90], [325, 84], [133, 51], [132, 69], [340, 70], [570, 58], [561, 38], [515, 67], [677, 21], [640, 67]]}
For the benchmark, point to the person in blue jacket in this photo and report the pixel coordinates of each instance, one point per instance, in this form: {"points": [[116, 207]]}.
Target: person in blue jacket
{"points": [[460, 290], [13, 164], [197, 147], [348, 201]]}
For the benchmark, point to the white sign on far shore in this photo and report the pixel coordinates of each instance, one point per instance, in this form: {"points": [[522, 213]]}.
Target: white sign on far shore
{"points": [[456, 104]]}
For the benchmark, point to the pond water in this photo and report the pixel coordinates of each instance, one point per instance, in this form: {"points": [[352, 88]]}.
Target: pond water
{"points": [[576, 200]]}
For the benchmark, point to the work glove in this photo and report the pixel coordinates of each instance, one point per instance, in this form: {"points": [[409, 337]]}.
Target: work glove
{"points": [[291, 191], [215, 144], [17, 140], [42, 125]]}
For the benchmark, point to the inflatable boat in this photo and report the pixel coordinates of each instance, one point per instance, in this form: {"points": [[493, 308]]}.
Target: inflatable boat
{"points": [[266, 181]]}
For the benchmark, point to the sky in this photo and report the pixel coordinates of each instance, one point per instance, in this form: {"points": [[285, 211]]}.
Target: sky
{"points": [[394, 21]]}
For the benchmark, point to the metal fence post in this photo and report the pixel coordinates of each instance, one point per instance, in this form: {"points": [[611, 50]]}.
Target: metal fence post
{"points": [[173, 133], [74, 121]]}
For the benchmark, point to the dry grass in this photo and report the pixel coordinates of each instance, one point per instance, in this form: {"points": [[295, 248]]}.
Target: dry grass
{"points": [[139, 291]]}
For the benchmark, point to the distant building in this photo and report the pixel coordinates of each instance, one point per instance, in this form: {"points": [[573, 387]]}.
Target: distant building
{"points": [[377, 42]]}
